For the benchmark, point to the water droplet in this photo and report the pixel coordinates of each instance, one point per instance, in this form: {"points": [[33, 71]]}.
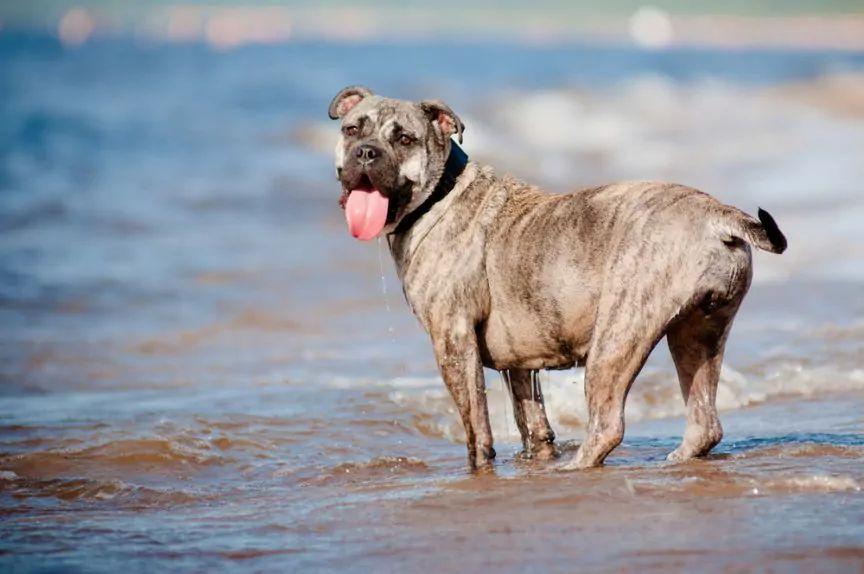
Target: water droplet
{"points": [[508, 393], [390, 328]]}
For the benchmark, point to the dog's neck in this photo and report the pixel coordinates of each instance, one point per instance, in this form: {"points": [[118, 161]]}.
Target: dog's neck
{"points": [[453, 168], [404, 245]]}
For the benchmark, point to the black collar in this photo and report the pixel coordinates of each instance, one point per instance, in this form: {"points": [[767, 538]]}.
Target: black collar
{"points": [[456, 162]]}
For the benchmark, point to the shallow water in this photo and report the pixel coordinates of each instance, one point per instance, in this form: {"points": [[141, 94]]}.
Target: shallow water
{"points": [[200, 370]]}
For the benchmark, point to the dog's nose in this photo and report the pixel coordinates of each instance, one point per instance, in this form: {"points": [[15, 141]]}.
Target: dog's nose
{"points": [[367, 153]]}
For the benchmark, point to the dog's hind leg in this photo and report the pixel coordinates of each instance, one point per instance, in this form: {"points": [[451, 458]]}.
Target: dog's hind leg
{"points": [[530, 413], [697, 343], [608, 378], [697, 340], [626, 331]]}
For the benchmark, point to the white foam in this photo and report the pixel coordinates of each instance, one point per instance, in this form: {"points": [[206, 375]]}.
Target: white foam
{"points": [[819, 483], [655, 395]]}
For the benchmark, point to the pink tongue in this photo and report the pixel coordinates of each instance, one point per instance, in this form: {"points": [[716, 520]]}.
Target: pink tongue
{"points": [[366, 212]]}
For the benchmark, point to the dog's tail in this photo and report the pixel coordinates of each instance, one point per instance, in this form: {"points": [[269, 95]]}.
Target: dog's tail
{"points": [[764, 234]]}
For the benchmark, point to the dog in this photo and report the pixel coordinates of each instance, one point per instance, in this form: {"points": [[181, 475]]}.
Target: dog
{"points": [[505, 276]]}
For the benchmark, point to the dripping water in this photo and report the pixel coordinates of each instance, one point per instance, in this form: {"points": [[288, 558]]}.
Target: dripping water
{"points": [[508, 393], [390, 328], [535, 382], [537, 387]]}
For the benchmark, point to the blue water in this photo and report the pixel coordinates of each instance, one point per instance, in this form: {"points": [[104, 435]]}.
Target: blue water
{"points": [[126, 167], [197, 362]]}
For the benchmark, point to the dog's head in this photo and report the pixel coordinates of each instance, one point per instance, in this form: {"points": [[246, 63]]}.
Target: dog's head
{"points": [[389, 156]]}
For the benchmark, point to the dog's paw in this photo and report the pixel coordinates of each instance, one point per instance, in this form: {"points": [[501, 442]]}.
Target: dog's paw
{"points": [[580, 463], [676, 456], [486, 453], [481, 457], [543, 451]]}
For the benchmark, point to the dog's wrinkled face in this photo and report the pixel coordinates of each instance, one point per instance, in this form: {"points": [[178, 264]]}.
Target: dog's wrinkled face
{"points": [[395, 147]]}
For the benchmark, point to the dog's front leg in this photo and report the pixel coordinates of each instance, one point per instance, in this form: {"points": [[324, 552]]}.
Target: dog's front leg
{"points": [[459, 361]]}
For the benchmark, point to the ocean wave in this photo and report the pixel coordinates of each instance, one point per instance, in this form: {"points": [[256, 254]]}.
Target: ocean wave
{"points": [[375, 468], [118, 457], [654, 395], [92, 490], [732, 483], [807, 447], [816, 483]]}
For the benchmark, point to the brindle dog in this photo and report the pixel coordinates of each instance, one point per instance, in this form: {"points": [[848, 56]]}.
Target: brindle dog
{"points": [[505, 276]]}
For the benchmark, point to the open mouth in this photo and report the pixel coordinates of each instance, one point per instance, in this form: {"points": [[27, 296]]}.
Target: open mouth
{"points": [[365, 184], [366, 209]]}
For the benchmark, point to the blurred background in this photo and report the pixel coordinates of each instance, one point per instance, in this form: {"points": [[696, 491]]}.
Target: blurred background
{"points": [[185, 319]]}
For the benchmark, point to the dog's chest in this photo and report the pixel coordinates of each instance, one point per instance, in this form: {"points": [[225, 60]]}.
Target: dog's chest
{"points": [[444, 280]]}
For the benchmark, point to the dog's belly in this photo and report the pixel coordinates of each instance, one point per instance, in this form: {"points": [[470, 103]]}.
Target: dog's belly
{"points": [[524, 338]]}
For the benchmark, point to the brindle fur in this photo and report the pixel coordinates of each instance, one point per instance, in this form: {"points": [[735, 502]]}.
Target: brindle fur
{"points": [[505, 276]]}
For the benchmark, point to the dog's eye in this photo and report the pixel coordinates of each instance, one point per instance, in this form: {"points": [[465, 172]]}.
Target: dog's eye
{"points": [[350, 130], [405, 139]]}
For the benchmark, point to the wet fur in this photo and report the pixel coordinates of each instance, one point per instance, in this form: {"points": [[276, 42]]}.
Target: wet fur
{"points": [[506, 276]]}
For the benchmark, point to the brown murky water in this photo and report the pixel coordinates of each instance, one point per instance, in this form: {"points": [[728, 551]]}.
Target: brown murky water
{"points": [[200, 370], [372, 489]]}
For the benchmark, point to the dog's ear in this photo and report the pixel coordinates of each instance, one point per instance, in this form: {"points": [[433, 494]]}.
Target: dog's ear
{"points": [[447, 120], [347, 99]]}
